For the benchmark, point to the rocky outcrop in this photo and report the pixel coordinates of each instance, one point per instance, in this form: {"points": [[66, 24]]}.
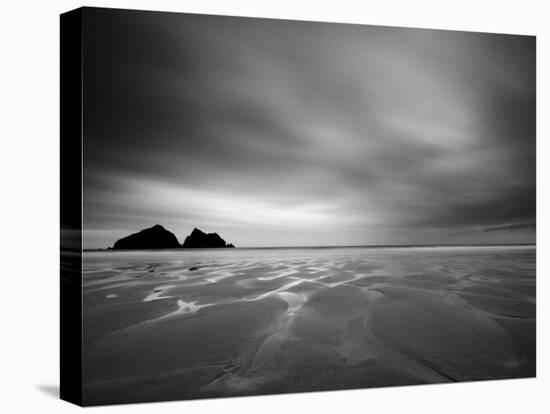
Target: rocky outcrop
{"points": [[156, 237], [199, 239]]}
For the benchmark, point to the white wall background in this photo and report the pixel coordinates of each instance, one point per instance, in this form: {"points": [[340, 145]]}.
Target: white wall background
{"points": [[29, 192]]}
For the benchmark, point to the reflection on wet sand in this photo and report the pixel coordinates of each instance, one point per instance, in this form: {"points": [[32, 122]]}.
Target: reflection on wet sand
{"points": [[171, 325]]}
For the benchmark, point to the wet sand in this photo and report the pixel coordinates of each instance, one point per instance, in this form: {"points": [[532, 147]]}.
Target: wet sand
{"points": [[180, 325]]}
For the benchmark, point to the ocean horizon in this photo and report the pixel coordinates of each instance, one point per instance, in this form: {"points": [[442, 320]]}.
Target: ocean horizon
{"points": [[365, 246]]}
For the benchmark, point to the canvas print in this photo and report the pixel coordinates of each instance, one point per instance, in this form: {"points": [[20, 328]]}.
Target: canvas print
{"points": [[276, 206]]}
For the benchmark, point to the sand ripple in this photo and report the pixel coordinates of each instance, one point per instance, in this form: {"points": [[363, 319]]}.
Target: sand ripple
{"points": [[234, 323]]}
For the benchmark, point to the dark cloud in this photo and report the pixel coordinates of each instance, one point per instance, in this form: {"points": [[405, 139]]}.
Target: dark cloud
{"points": [[281, 132]]}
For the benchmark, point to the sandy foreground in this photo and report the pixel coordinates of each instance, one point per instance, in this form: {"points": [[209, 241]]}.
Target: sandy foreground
{"points": [[180, 325]]}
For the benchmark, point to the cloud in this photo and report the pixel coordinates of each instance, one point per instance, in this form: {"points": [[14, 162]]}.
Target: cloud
{"points": [[529, 226], [284, 132]]}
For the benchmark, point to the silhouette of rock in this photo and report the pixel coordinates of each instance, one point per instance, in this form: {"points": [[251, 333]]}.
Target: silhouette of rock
{"points": [[156, 237], [199, 239]]}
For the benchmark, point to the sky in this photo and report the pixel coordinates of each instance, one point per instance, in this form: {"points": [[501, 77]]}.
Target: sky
{"points": [[289, 133]]}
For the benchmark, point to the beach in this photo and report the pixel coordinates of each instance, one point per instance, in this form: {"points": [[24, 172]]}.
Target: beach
{"points": [[198, 323]]}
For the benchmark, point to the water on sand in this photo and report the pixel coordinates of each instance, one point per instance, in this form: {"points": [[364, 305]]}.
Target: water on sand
{"points": [[204, 323]]}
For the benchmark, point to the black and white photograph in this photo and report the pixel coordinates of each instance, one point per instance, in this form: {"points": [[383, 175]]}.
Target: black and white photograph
{"points": [[247, 207], [275, 206]]}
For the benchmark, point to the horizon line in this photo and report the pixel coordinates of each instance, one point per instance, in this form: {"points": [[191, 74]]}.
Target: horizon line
{"points": [[326, 246]]}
